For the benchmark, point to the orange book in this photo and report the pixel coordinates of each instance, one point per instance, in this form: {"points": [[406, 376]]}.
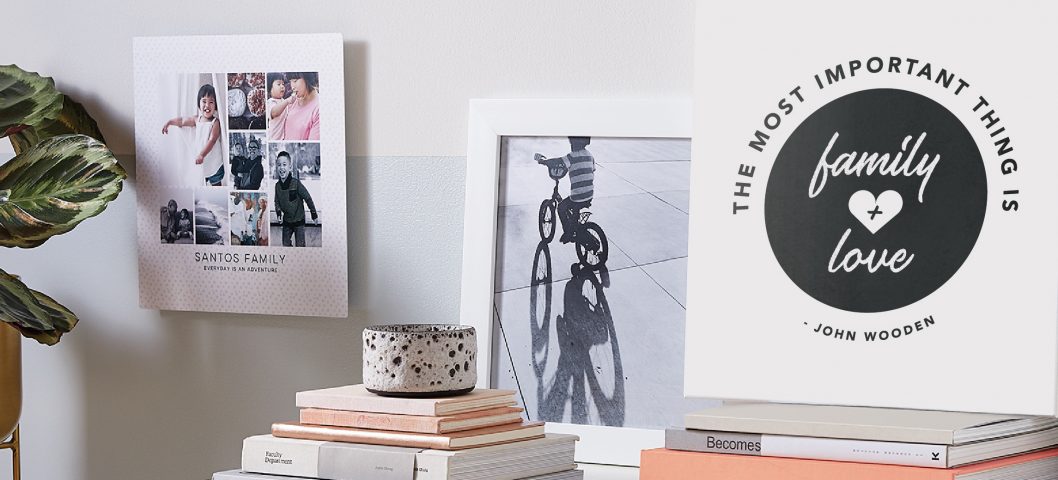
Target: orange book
{"points": [[412, 423], [662, 464], [481, 437]]}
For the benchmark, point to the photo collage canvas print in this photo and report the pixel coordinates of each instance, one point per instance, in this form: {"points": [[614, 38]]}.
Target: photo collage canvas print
{"points": [[242, 174]]}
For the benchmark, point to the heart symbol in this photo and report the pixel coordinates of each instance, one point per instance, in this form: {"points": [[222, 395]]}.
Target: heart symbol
{"points": [[873, 212]]}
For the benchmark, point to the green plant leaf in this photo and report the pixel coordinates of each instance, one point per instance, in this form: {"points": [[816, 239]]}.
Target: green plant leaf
{"points": [[72, 119], [34, 314], [52, 187], [26, 99]]}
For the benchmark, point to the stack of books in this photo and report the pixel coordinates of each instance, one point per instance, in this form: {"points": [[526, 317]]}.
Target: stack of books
{"points": [[802, 442], [348, 432]]}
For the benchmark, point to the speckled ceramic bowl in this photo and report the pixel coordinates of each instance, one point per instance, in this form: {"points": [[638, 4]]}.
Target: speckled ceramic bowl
{"points": [[421, 360]]}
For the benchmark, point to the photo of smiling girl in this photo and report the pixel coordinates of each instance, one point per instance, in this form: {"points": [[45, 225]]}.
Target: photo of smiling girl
{"points": [[195, 147]]}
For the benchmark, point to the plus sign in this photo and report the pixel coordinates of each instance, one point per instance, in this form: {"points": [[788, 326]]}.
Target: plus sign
{"points": [[874, 212]]}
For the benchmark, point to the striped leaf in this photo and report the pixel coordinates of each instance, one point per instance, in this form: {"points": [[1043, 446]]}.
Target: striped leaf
{"points": [[54, 186], [34, 314], [73, 118], [26, 100]]}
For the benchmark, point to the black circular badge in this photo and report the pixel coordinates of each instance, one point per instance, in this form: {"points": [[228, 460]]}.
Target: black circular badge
{"points": [[875, 200]]}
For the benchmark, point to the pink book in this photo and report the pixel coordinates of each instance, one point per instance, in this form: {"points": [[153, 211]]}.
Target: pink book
{"points": [[356, 398], [662, 464], [412, 423], [481, 437]]}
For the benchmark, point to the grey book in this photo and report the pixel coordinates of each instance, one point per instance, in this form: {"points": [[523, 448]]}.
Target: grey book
{"points": [[863, 423], [862, 451]]}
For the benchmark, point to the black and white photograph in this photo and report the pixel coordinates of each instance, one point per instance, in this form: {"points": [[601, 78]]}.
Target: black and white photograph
{"points": [[211, 216], [293, 106], [304, 159], [176, 205], [246, 101], [295, 218], [590, 279], [192, 132], [246, 160], [249, 219]]}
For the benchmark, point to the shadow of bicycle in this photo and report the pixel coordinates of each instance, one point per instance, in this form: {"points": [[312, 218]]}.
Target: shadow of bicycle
{"points": [[586, 383]]}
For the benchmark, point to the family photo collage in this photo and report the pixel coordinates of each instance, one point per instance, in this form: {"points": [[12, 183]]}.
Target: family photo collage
{"points": [[242, 162]]}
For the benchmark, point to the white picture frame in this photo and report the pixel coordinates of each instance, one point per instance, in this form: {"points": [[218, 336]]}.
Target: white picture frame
{"points": [[489, 122]]}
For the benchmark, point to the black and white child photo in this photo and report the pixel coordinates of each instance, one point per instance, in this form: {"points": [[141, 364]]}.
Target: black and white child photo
{"points": [[297, 219], [176, 218], [304, 157], [590, 279]]}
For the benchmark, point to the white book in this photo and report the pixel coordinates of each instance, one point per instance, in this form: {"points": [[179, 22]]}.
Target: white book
{"points": [[569, 474], [267, 454]]}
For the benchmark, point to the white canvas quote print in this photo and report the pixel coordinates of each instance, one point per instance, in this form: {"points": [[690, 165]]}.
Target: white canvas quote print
{"points": [[240, 149], [872, 214]]}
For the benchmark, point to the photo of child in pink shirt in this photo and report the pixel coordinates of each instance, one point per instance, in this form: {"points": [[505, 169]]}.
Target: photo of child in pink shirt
{"points": [[293, 106]]}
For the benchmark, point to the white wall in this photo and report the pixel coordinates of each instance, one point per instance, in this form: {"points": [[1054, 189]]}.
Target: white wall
{"points": [[135, 393]]}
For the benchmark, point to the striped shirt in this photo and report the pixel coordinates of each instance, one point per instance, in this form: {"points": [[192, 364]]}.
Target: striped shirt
{"points": [[581, 175]]}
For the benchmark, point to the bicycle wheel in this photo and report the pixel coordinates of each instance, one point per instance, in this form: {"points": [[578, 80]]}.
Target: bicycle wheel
{"points": [[592, 247], [546, 220]]}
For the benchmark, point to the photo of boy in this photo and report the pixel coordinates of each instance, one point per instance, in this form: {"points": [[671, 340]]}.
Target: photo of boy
{"points": [[572, 317], [304, 159], [581, 167], [290, 199]]}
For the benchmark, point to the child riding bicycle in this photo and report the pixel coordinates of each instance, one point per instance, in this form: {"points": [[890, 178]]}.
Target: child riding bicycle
{"points": [[581, 167]]}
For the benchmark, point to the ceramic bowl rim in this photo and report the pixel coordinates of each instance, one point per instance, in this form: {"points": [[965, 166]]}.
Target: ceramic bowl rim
{"points": [[418, 328]]}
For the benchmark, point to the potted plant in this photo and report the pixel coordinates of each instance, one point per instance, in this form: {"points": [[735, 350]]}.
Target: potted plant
{"points": [[62, 174]]}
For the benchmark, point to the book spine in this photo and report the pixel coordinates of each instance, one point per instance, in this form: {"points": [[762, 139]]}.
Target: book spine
{"points": [[812, 448], [374, 421], [373, 437], [432, 466], [341, 461], [296, 459], [327, 461]]}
